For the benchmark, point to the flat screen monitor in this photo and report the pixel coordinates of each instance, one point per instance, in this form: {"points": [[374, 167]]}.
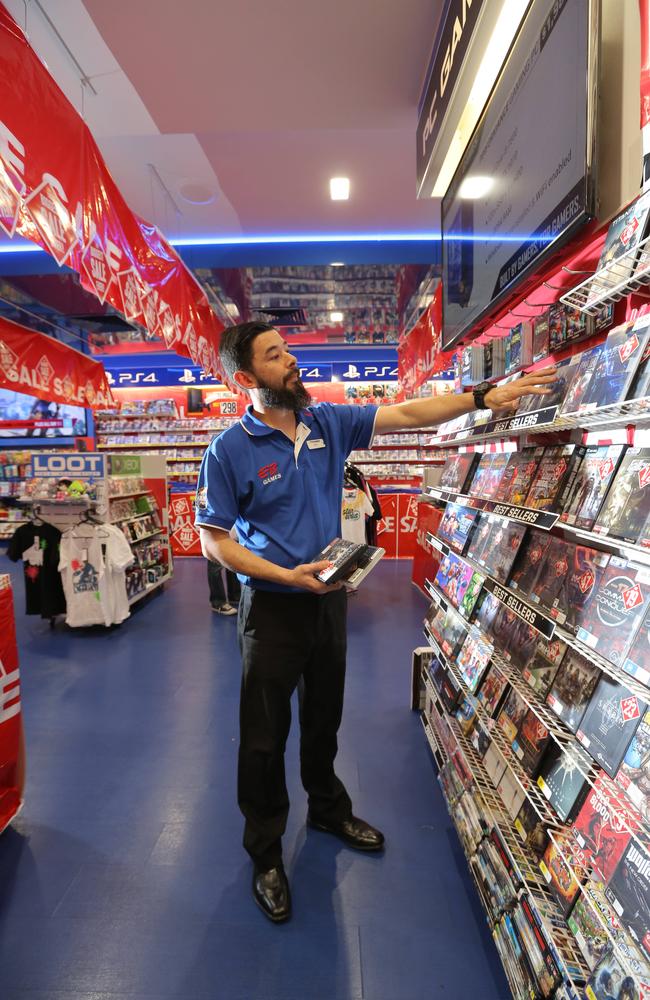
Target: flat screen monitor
{"points": [[524, 183], [24, 416]]}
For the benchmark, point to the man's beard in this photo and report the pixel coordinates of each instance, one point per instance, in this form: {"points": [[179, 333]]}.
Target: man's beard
{"points": [[293, 398]]}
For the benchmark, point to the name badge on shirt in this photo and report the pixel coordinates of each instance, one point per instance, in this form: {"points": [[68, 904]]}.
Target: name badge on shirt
{"points": [[316, 443]]}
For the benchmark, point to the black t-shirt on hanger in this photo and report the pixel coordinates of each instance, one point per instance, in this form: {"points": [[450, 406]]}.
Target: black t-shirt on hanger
{"points": [[43, 587]]}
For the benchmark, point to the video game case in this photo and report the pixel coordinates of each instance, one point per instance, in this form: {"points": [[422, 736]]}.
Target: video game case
{"points": [[580, 585], [562, 782], [458, 472], [611, 978], [587, 364], [616, 611], [599, 930], [577, 324], [610, 722], [589, 488], [561, 880], [520, 347], [634, 773], [500, 554], [488, 475], [545, 968], [572, 689], [529, 561], [480, 538], [552, 573], [473, 660], [487, 608], [466, 714], [552, 473], [453, 632], [542, 669], [492, 691], [603, 829], [626, 511], [637, 663], [532, 740], [590, 935], [350, 562], [566, 371], [450, 692], [556, 326], [518, 476], [420, 661], [471, 595], [480, 739], [629, 893], [512, 715], [523, 644], [511, 794], [640, 387], [530, 828], [624, 234], [495, 764], [540, 337], [619, 359], [504, 627], [456, 526]]}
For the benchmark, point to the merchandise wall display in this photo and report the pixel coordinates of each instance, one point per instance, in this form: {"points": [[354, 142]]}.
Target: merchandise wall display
{"points": [[93, 545], [536, 699]]}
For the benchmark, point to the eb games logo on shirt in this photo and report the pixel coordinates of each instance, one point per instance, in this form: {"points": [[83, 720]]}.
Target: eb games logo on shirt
{"points": [[269, 473]]}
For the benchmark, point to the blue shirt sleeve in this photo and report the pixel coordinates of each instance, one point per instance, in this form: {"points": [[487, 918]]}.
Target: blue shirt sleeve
{"points": [[355, 424], [216, 494]]}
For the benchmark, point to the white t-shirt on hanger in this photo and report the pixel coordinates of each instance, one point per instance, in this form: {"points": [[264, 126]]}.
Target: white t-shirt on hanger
{"points": [[92, 563], [118, 557], [354, 509]]}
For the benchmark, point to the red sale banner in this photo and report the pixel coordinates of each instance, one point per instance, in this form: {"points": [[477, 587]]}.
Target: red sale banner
{"points": [[184, 536], [397, 530], [56, 191], [12, 749], [387, 527], [40, 366], [419, 355]]}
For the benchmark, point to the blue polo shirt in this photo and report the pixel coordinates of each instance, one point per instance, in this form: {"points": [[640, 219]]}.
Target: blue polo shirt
{"points": [[284, 498]]}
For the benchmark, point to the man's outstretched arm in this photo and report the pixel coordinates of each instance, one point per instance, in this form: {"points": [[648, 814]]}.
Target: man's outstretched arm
{"points": [[430, 412]]}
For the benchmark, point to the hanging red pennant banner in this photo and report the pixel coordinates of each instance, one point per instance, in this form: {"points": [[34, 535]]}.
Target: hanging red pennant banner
{"points": [[38, 365], [419, 354], [56, 190]]}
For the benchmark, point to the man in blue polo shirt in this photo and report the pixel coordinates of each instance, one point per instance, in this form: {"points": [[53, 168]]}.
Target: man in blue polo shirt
{"points": [[277, 476]]}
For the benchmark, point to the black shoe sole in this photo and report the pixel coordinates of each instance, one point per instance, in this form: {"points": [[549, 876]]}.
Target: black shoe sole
{"points": [[269, 916], [354, 844]]}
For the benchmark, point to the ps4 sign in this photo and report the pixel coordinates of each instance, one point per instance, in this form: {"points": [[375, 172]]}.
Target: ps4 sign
{"points": [[365, 372], [190, 375]]}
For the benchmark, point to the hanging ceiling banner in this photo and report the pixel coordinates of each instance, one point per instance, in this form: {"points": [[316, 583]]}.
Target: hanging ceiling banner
{"points": [[56, 191], [419, 356], [40, 366]]}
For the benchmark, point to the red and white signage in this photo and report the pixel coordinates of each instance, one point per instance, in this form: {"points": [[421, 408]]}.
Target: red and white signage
{"points": [[41, 366], [12, 750], [426, 559], [56, 191], [419, 354], [397, 530], [184, 536]]}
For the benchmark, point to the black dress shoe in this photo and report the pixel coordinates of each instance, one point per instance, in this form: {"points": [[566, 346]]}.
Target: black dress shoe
{"points": [[272, 895], [353, 831]]}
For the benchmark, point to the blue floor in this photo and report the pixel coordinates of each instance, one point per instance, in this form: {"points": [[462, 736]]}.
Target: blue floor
{"points": [[124, 877]]}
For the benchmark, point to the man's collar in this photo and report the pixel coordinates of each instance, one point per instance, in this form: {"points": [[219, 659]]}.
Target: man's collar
{"points": [[257, 428]]}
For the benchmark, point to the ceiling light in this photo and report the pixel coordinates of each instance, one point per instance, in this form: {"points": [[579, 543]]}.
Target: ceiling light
{"points": [[337, 263], [475, 187], [336, 316], [503, 35], [339, 188]]}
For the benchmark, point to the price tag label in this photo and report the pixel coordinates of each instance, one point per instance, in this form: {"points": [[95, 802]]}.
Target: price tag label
{"points": [[546, 791]]}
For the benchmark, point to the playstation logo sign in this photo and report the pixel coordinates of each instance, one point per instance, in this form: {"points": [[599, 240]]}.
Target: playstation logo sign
{"points": [[187, 376], [352, 372]]}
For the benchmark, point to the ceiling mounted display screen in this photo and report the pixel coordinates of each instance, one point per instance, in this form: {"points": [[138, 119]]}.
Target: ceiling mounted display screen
{"points": [[525, 180], [26, 416]]}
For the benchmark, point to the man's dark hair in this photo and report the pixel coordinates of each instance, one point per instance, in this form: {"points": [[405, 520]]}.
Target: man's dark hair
{"points": [[236, 345]]}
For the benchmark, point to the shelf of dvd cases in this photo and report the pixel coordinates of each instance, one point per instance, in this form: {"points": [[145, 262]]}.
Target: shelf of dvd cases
{"points": [[556, 940]]}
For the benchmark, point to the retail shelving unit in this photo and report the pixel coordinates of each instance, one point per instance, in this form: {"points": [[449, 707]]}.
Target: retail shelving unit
{"points": [[396, 459], [557, 964]]}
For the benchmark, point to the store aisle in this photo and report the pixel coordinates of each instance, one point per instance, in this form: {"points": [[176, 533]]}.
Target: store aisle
{"points": [[124, 877]]}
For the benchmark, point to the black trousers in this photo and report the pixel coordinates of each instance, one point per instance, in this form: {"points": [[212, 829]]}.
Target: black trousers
{"points": [[288, 641], [223, 584]]}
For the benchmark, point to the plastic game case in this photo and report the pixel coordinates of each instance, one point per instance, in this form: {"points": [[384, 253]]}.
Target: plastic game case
{"points": [[512, 714], [556, 326], [552, 473], [616, 611], [500, 554], [626, 511], [579, 586], [590, 486], [470, 597], [613, 979], [572, 688], [492, 690], [610, 722], [561, 880], [542, 669], [518, 475], [532, 740], [503, 629], [530, 559], [617, 364], [629, 893], [624, 234], [452, 632], [634, 773], [488, 477], [530, 828], [522, 644], [456, 526], [585, 371], [587, 929], [603, 828], [481, 537], [552, 574], [473, 659], [566, 371], [458, 472], [540, 337], [562, 782]]}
